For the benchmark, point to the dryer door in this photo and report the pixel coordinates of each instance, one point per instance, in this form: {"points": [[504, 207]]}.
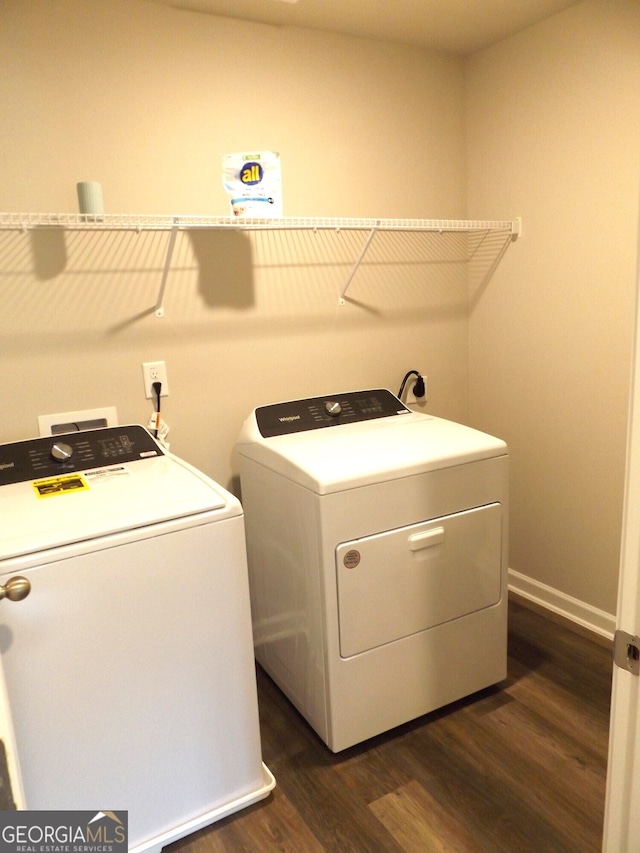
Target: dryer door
{"points": [[403, 581]]}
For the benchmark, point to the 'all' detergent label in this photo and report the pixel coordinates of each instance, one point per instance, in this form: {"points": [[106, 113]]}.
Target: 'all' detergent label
{"points": [[253, 183], [251, 174]]}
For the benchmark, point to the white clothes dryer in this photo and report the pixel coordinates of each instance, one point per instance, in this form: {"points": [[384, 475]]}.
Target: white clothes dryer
{"points": [[377, 550], [127, 649]]}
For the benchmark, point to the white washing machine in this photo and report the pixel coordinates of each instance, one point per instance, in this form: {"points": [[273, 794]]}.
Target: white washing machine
{"points": [[377, 548], [127, 649]]}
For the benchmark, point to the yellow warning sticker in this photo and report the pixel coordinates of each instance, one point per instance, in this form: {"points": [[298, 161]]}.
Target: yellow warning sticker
{"points": [[60, 485]]}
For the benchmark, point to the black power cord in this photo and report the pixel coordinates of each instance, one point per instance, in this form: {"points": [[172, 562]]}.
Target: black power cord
{"points": [[418, 386], [157, 387]]}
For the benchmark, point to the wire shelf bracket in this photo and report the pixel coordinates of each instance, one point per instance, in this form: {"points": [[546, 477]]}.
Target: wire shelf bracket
{"points": [[354, 270], [165, 271]]}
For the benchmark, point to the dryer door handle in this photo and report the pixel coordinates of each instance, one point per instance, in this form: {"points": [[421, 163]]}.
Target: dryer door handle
{"points": [[426, 539], [15, 589]]}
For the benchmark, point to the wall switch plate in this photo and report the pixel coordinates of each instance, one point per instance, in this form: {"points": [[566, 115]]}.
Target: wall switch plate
{"points": [[155, 371]]}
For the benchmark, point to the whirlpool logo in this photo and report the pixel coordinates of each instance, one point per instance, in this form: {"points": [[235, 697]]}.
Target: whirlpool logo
{"points": [[63, 832]]}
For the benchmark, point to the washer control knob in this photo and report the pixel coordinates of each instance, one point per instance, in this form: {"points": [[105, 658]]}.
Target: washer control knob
{"points": [[61, 452], [333, 408]]}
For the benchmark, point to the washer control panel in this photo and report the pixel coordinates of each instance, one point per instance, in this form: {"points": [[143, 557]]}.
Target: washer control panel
{"points": [[320, 412], [76, 451]]}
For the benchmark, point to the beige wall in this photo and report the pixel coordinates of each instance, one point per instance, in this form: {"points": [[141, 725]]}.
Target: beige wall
{"points": [[553, 135], [146, 99]]}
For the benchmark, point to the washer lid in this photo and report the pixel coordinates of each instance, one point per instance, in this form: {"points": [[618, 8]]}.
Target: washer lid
{"points": [[373, 451], [97, 490]]}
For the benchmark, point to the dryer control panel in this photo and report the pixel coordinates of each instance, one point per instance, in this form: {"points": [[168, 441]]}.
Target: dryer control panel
{"points": [[76, 451], [321, 412]]}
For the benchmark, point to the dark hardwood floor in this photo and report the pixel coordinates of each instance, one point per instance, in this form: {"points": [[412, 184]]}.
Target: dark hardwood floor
{"points": [[519, 767]]}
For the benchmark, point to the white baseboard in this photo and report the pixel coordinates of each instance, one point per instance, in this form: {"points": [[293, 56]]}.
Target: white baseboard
{"points": [[564, 605]]}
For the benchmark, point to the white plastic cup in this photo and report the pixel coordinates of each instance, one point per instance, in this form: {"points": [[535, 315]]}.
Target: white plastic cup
{"points": [[90, 199]]}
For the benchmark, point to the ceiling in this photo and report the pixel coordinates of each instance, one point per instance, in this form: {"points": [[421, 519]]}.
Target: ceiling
{"points": [[454, 26]]}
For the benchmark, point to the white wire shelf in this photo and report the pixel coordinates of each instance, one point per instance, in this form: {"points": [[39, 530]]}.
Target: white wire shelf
{"points": [[510, 228], [140, 222]]}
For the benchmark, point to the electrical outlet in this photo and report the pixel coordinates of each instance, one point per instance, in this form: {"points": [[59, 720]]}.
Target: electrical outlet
{"points": [[411, 399], [155, 371]]}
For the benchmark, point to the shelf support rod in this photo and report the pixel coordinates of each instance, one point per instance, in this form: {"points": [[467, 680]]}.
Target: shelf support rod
{"points": [[165, 271], [354, 269]]}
